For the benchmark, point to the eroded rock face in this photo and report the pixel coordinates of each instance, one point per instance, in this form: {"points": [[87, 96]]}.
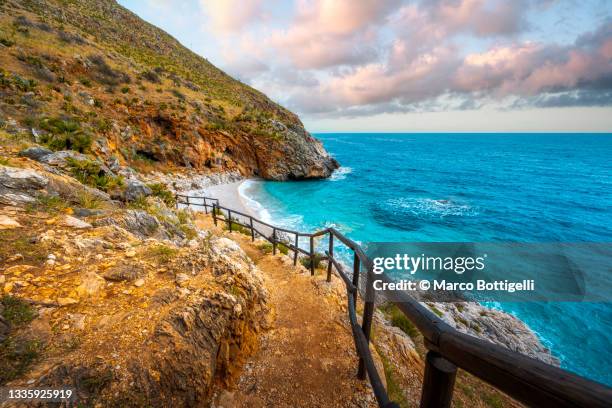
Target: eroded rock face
{"points": [[20, 186]]}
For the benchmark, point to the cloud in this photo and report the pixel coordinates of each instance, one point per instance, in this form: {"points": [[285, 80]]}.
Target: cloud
{"points": [[326, 33], [232, 15]]}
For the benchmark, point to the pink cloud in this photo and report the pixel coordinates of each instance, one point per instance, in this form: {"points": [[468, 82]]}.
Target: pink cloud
{"points": [[232, 15]]}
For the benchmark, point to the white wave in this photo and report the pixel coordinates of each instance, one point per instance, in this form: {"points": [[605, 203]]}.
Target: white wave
{"points": [[341, 173], [431, 207], [253, 205]]}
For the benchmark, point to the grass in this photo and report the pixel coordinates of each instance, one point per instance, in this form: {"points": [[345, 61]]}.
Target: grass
{"points": [[434, 309], [163, 253], [87, 200], [16, 311], [398, 319], [394, 389], [17, 355], [160, 190], [266, 248], [237, 228], [33, 253], [65, 134], [316, 261], [89, 172], [50, 203], [4, 161]]}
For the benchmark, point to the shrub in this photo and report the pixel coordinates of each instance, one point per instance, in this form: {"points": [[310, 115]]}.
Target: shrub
{"points": [[86, 82], [160, 190], [24, 85], [125, 89], [151, 76], [89, 172], [16, 311], [398, 319], [316, 261], [65, 134], [105, 74], [7, 42], [163, 253]]}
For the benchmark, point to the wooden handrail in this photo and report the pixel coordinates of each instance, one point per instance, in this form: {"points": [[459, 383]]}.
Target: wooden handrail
{"points": [[521, 377]]}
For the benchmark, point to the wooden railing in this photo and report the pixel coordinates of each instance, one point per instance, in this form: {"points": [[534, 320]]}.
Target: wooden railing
{"points": [[525, 379]]}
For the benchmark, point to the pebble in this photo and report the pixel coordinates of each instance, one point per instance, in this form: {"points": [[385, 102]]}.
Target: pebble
{"points": [[73, 222], [66, 301], [130, 253], [8, 222], [139, 283]]}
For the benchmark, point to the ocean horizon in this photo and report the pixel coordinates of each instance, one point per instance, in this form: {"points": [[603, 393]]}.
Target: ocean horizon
{"points": [[468, 187]]}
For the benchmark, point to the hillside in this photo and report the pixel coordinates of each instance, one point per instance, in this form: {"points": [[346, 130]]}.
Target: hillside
{"points": [[91, 76]]}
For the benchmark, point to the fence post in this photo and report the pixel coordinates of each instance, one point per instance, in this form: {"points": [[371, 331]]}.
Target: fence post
{"points": [[331, 256], [295, 253], [252, 229], [356, 270], [368, 312], [438, 382], [205, 206], [311, 255], [188, 202], [176, 200], [229, 220], [273, 241], [215, 214]]}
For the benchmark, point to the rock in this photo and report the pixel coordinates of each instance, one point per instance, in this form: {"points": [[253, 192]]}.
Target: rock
{"points": [[124, 272], [35, 153], [66, 301], [8, 222], [8, 288], [181, 279], [73, 222], [78, 320], [138, 222], [17, 270], [130, 253], [14, 258], [139, 282], [136, 189], [20, 186], [91, 283]]}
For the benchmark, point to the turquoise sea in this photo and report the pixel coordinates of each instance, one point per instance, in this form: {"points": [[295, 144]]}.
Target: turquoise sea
{"points": [[470, 188]]}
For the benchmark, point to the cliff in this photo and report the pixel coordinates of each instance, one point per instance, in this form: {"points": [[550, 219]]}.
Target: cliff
{"points": [[91, 76]]}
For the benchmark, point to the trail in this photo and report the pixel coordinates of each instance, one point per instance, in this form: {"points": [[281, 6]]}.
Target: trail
{"points": [[307, 358]]}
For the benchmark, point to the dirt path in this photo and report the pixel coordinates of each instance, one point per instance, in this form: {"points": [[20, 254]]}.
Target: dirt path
{"points": [[307, 358]]}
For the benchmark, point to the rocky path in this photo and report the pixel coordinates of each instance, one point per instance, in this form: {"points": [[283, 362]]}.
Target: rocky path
{"points": [[307, 358]]}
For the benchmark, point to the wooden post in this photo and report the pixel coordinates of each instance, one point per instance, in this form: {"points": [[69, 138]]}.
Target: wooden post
{"points": [[356, 270], [252, 229], [187, 201], [331, 256], [295, 253], [311, 255], [229, 220], [273, 241], [205, 206], [438, 382], [368, 312], [215, 214]]}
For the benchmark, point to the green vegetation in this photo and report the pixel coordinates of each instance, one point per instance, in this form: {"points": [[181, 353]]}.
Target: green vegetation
{"points": [[50, 203], [316, 261], [163, 253], [161, 190], [65, 134], [434, 309], [398, 319], [16, 311], [6, 42], [266, 248], [16, 354], [85, 199], [90, 172], [394, 389], [238, 228]]}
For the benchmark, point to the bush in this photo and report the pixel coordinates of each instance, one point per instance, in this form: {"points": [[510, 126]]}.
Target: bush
{"points": [[65, 134], [160, 190], [151, 76], [125, 89], [316, 261], [398, 319], [162, 253], [7, 42], [16, 311], [89, 172]]}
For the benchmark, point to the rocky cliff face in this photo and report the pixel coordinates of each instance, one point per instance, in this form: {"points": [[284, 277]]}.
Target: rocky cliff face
{"points": [[129, 306], [91, 76]]}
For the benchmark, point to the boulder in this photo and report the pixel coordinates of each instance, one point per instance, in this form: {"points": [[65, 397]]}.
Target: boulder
{"points": [[136, 189], [20, 186], [73, 222], [35, 153]]}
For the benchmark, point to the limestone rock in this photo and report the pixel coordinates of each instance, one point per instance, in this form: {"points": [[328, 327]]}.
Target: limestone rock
{"points": [[73, 222], [35, 153], [66, 301], [136, 189], [124, 272], [91, 283], [20, 186], [7, 222]]}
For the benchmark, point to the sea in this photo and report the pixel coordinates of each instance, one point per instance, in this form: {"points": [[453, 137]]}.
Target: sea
{"points": [[433, 187]]}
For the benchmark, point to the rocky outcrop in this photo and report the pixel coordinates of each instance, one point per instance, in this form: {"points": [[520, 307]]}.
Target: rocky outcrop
{"points": [[495, 326]]}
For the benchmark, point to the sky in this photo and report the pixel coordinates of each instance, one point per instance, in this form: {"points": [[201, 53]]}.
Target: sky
{"points": [[405, 66]]}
